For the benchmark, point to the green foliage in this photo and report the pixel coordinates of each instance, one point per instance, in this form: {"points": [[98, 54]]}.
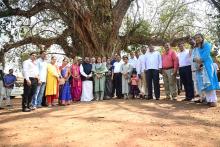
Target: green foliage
{"points": [[24, 56], [143, 28]]}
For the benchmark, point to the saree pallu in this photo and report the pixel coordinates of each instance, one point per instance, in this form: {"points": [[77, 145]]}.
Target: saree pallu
{"points": [[211, 75], [201, 74]]}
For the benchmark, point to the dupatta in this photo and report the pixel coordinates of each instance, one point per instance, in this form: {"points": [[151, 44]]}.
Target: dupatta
{"points": [[202, 77]]}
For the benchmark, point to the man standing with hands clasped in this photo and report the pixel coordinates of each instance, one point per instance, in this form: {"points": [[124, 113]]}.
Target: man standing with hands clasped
{"points": [[185, 71], [42, 68], [141, 71], [31, 79], [169, 68], [153, 66], [87, 80]]}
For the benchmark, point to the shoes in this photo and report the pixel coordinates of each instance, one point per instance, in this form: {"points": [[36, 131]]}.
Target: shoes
{"points": [[174, 99], [33, 108], [200, 101], [157, 98], [149, 98], [186, 99], [212, 104], [1, 108], [45, 105], [39, 106], [26, 110]]}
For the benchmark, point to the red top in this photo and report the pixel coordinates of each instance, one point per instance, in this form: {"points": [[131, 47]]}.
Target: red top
{"points": [[170, 60]]}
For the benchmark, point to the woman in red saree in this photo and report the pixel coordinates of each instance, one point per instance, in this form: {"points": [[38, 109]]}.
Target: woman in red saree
{"points": [[76, 86]]}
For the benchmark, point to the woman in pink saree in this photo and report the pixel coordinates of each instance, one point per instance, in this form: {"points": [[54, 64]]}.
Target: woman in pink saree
{"points": [[76, 86]]}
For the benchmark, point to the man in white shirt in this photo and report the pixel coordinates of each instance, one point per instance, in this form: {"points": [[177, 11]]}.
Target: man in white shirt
{"points": [[153, 65], [133, 60], [142, 74], [185, 71], [117, 77], [42, 68], [31, 79]]}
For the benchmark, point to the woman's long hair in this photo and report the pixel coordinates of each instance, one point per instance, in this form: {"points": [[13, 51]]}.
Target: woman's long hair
{"points": [[199, 44]]}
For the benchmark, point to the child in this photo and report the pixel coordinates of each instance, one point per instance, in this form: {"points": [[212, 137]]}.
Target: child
{"points": [[134, 85]]}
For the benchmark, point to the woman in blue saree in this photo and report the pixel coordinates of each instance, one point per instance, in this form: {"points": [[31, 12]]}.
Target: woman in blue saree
{"points": [[65, 89], [206, 75]]}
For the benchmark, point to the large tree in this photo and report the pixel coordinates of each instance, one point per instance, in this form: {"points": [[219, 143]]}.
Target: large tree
{"points": [[216, 4], [86, 27]]}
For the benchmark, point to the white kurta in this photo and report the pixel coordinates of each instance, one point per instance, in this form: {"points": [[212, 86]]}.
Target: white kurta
{"points": [[87, 87], [87, 91]]}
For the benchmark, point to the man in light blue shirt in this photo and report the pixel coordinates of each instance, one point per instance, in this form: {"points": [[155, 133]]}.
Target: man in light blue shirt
{"points": [[42, 68]]}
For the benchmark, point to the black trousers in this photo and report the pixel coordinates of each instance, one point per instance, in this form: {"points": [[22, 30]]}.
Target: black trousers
{"points": [[153, 77], [29, 91], [117, 85], [186, 79]]}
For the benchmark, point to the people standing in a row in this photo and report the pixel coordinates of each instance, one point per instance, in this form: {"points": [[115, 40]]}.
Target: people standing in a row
{"points": [[108, 77]]}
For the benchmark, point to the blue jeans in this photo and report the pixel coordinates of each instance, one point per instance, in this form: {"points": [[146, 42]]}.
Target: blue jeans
{"points": [[37, 99]]}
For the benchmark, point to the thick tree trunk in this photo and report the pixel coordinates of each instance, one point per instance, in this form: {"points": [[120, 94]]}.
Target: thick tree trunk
{"points": [[2, 58], [93, 26]]}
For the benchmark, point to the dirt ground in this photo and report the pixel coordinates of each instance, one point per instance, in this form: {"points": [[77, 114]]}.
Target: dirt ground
{"points": [[113, 123]]}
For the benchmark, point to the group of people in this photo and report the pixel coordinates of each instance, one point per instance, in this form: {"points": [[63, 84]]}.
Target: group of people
{"points": [[134, 76]]}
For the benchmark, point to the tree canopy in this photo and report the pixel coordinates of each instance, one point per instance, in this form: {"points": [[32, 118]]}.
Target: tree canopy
{"points": [[93, 27]]}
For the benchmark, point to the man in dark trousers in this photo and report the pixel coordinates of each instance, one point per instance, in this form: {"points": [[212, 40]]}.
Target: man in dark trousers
{"points": [[117, 78], [185, 71], [31, 79], [153, 65]]}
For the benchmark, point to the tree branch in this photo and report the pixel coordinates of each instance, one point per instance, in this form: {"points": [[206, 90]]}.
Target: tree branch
{"points": [[38, 40], [18, 12], [216, 4], [119, 11], [153, 40]]}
